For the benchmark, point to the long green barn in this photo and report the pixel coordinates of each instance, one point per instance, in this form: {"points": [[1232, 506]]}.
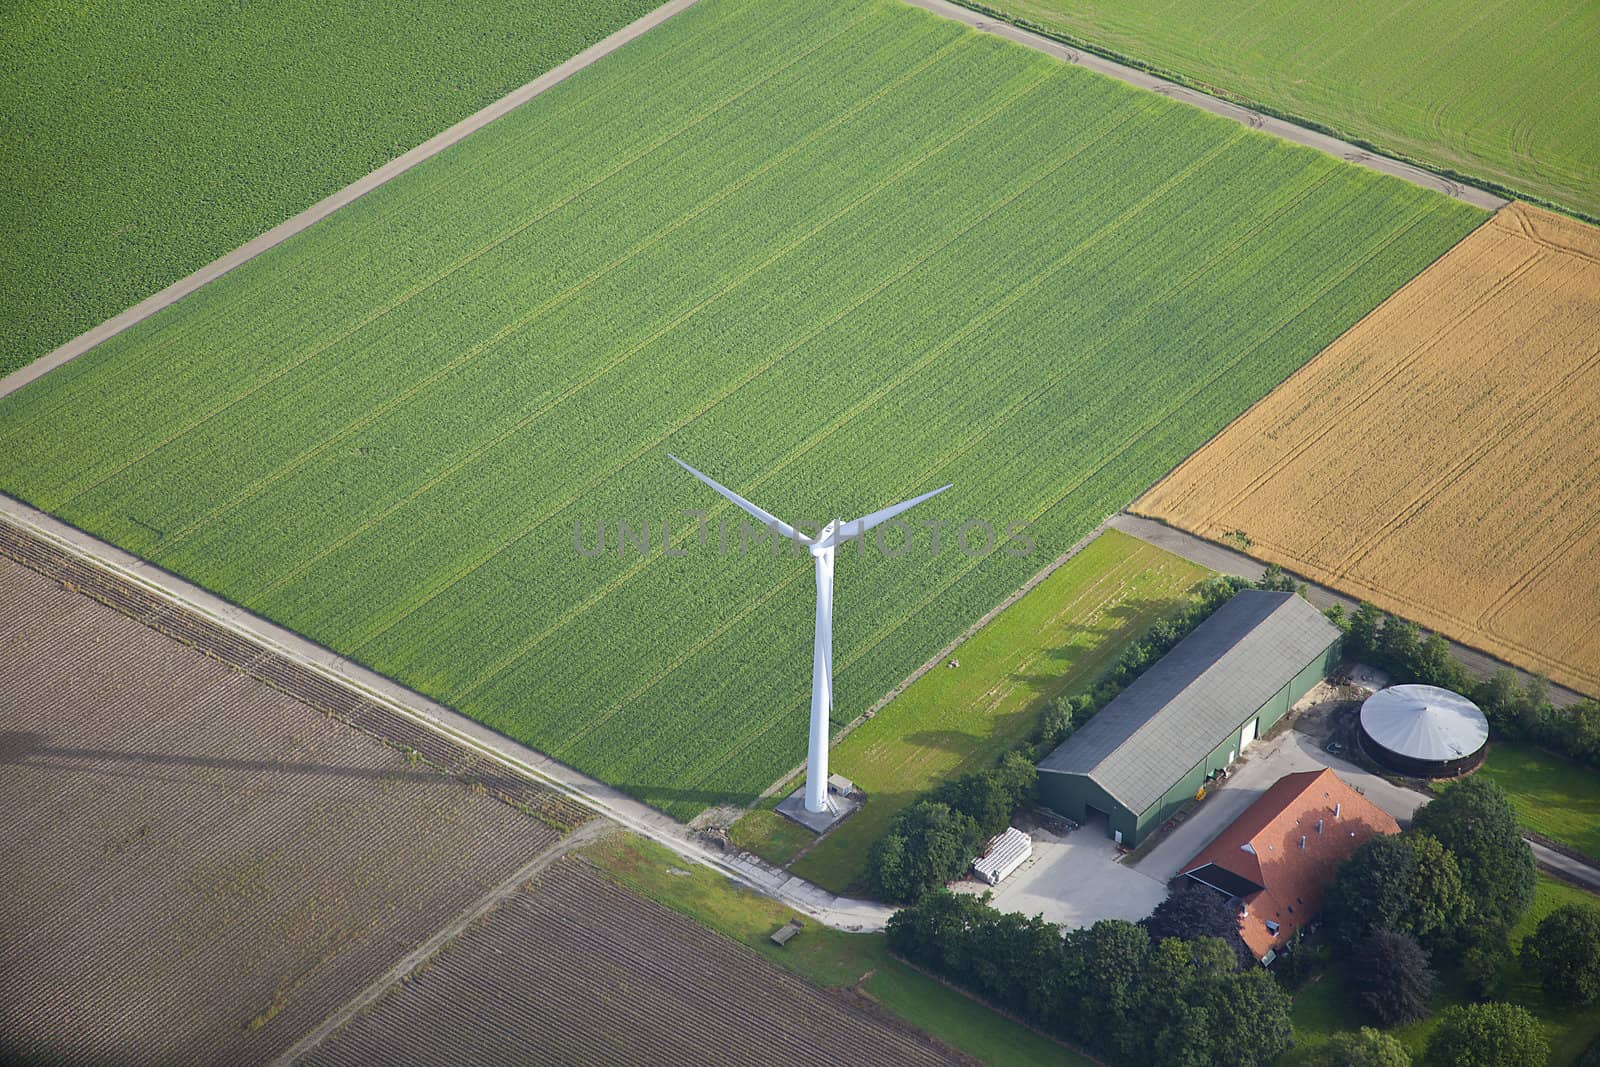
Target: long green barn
{"points": [[1190, 715]]}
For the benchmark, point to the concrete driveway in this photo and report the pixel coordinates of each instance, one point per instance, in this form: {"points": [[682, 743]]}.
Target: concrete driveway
{"points": [[1262, 765], [1075, 881]]}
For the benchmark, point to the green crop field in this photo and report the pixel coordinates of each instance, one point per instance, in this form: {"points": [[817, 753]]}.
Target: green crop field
{"points": [[144, 138], [834, 253], [1504, 92], [1061, 636]]}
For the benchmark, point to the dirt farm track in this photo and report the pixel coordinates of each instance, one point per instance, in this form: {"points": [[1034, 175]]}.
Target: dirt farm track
{"points": [[1438, 459]]}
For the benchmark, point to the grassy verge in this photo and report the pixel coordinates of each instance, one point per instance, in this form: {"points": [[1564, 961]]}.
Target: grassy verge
{"points": [[1328, 1006], [769, 835], [827, 957], [1553, 796], [1058, 637]]}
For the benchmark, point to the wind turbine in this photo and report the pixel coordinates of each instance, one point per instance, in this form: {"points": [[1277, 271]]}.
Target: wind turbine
{"points": [[823, 548]]}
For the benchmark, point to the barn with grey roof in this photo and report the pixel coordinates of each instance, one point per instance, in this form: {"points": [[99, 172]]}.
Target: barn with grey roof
{"points": [[1189, 715]]}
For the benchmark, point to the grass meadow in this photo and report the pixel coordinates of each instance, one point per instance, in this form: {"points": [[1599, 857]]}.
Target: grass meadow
{"points": [[1507, 93]]}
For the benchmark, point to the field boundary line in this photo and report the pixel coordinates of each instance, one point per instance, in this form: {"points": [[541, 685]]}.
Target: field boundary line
{"points": [[840, 913], [591, 831], [972, 13], [328, 205]]}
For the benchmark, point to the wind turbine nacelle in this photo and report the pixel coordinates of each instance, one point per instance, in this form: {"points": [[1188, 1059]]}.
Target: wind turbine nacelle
{"points": [[821, 546]]}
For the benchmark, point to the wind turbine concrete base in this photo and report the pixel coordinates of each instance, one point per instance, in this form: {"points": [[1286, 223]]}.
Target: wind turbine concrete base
{"points": [[794, 806]]}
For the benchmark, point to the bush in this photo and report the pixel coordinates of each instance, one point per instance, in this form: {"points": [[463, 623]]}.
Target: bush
{"points": [[1487, 1035], [1368, 1048], [927, 845], [1392, 978], [1565, 953]]}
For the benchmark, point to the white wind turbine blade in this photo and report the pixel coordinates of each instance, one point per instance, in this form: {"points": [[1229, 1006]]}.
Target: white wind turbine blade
{"points": [[766, 518], [857, 527]]}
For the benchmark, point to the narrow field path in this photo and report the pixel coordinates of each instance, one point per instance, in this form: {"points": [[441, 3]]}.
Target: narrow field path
{"points": [[1226, 560], [500, 894], [327, 206], [37, 534], [1344, 150]]}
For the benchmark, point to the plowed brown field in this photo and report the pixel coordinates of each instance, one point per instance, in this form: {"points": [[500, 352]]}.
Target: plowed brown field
{"points": [[197, 868], [1442, 458], [575, 969]]}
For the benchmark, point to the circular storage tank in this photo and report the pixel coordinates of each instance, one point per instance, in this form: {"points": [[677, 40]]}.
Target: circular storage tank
{"points": [[1424, 731]]}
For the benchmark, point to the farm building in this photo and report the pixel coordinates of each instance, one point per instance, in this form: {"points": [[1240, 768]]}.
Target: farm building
{"points": [[1280, 854], [1189, 715], [1423, 730], [1005, 854]]}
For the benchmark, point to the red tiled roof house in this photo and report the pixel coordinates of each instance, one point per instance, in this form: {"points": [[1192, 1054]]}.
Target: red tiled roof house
{"points": [[1280, 854]]}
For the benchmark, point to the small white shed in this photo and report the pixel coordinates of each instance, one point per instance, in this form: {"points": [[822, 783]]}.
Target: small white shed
{"points": [[1005, 854]]}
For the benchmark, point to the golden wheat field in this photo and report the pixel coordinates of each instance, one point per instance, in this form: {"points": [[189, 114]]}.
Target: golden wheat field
{"points": [[1442, 458]]}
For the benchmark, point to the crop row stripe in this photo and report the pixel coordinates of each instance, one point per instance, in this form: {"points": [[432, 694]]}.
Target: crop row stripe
{"points": [[372, 415], [995, 426], [1400, 367]]}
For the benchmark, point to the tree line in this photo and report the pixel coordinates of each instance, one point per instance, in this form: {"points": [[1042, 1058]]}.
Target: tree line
{"points": [[1515, 712], [1111, 988]]}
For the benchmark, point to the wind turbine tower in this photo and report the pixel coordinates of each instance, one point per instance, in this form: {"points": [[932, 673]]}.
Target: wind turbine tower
{"points": [[823, 549]]}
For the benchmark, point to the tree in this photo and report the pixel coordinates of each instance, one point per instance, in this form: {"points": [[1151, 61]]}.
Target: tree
{"points": [[1565, 953], [1401, 645], [1487, 1035], [1104, 986], [1366, 626], [990, 797], [1497, 696], [1056, 724], [1195, 911], [1475, 821], [1367, 1048], [1252, 1025], [1408, 883], [1392, 977], [1486, 950], [927, 845], [1436, 666]]}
